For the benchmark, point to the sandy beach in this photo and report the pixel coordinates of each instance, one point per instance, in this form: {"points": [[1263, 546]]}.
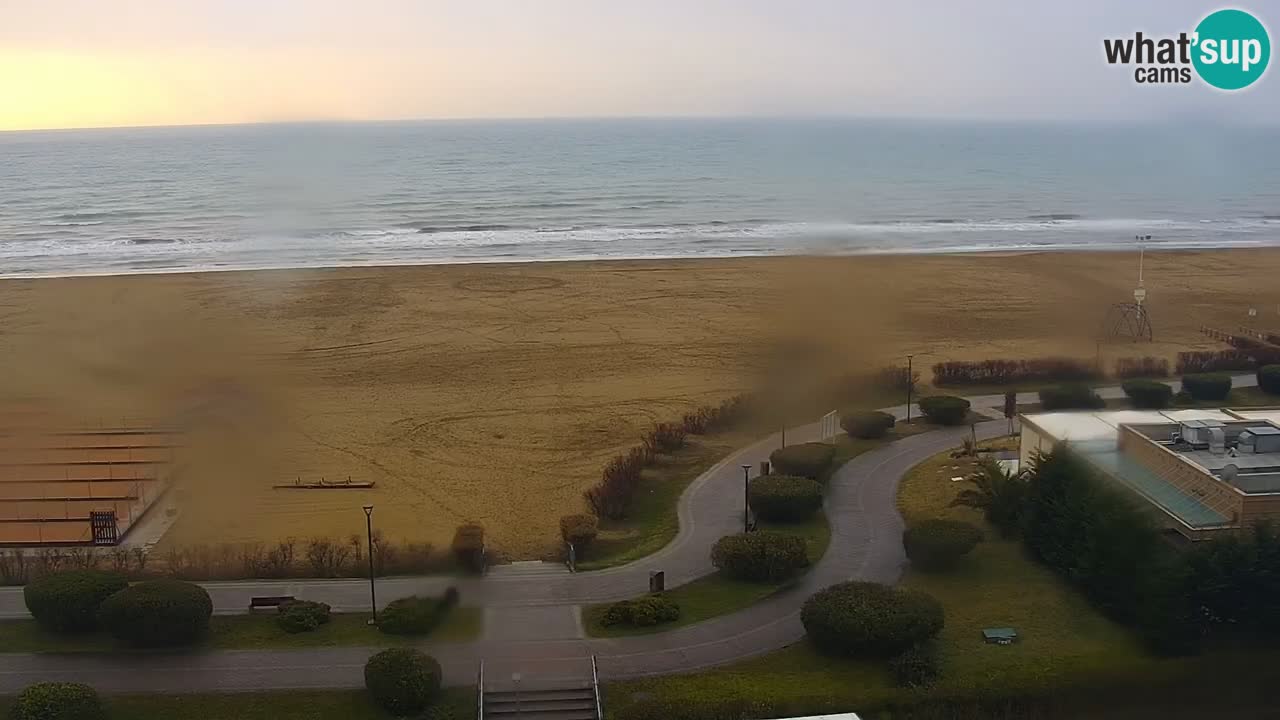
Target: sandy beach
{"points": [[493, 393]]}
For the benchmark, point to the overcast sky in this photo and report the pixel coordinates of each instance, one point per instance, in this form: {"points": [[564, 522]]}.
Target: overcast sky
{"points": [[85, 63]]}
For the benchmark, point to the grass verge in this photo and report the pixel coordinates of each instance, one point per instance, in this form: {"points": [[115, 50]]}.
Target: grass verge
{"points": [[453, 704], [715, 594], [250, 632]]}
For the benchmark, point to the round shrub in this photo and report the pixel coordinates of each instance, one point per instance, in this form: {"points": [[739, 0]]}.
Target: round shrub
{"points": [[413, 615], [1269, 379], [579, 530], [869, 619], [158, 613], [643, 612], [935, 545], [1182, 397], [1148, 394], [1070, 397], [866, 424], [809, 460], [302, 616], [57, 701], [944, 409], [917, 666], [760, 556], [69, 601], [1207, 386], [784, 498], [403, 681]]}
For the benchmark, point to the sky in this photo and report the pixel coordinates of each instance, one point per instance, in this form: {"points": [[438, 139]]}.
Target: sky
{"points": [[95, 63]]}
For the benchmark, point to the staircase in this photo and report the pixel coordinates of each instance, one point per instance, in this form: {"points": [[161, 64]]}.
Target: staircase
{"points": [[528, 569], [540, 699]]}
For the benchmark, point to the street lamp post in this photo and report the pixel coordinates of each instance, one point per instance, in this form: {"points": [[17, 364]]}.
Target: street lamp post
{"points": [[373, 598], [909, 384], [746, 498]]}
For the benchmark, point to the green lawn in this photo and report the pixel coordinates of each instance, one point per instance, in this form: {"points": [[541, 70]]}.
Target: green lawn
{"points": [[1063, 639], [715, 594], [453, 704], [250, 632]]}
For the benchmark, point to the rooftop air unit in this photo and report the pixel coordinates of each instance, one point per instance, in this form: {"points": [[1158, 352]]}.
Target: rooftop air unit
{"points": [[1261, 439], [1196, 432], [1217, 441]]}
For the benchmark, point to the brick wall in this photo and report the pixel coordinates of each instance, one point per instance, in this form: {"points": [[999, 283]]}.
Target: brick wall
{"points": [[1183, 475]]}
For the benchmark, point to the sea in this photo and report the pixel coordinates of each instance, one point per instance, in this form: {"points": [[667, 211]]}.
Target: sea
{"points": [[115, 201]]}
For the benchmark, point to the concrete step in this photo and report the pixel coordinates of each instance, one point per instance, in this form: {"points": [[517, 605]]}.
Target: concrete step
{"points": [[547, 704], [528, 569]]}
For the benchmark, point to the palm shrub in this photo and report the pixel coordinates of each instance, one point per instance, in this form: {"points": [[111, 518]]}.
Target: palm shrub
{"points": [[158, 613], [1207, 386], [784, 498], [57, 701], [1070, 397], [404, 681], [809, 460], [938, 544], [1269, 379], [760, 556], [1148, 394], [68, 601], [869, 619], [944, 409], [998, 493], [866, 424], [302, 616]]}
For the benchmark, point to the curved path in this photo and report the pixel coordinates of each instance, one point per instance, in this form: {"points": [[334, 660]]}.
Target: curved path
{"points": [[532, 623]]}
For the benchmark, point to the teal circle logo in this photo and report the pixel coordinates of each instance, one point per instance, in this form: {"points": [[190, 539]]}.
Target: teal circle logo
{"points": [[1231, 49]]}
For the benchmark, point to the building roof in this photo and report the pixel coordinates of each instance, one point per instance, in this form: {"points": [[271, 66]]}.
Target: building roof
{"points": [[1103, 425], [1141, 480]]}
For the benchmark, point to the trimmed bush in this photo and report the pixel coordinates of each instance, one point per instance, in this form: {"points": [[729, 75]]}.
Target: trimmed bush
{"points": [[68, 602], [809, 460], [579, 531], [869, 619], [1182, 397], [944, 409], [1148, 394], [760, 556], [935, 545], [415, 615], [643, 612], [916, 666], [784, 498], [302, 616], [403, 681], [1207, 386], [1269, 379], [158, 613], [57, 701], [468, 546], [1070, 397], [866, 424]]}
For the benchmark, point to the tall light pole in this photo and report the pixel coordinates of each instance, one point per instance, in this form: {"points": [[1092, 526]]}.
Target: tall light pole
{"points": [[746, 498], [373, 598], [909, 385]]}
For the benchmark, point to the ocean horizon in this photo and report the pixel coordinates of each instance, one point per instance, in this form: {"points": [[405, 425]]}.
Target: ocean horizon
{"points": [[243, 197]]}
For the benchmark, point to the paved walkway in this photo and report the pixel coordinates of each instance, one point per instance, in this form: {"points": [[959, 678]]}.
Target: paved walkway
{"points": [[532, 624]]}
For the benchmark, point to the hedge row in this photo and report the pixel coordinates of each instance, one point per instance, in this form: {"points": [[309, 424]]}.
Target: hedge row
{"points": [[1214, 361], [416, 615], [760, 556], [647, 611], [611, 497], [810, 460], [784, 498], [999, 372], [1141, 367]]}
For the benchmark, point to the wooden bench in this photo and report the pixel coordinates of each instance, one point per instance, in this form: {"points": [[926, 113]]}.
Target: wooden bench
{"points": [[269, 601]]}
